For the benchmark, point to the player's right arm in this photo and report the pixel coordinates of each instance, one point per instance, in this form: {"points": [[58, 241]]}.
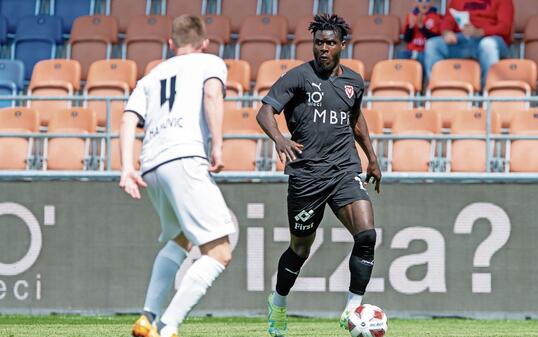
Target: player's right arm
{"points": [[286, 148]]}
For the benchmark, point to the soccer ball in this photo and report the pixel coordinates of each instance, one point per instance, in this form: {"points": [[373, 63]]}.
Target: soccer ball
{"points": [[367, 321]]}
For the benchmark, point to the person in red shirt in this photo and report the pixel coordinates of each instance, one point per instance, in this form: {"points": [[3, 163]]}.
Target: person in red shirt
{"points": [[479, 29], [421, 23]]}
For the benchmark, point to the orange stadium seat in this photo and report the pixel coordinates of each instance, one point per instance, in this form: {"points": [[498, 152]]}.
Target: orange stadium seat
{"points": [[174, 8], [17, 153], [400, 8], [523, 155], [374, 120], [373, 39], [453, 78], [91, 39], [394, 78], [219, 29], [261, 39], [415, 155], [513, 78], [151, 65], [238, 81], [56, 77], [355, 65], [239, 10], [524, 10], [270, 71], [126, 10], [530, 38], [294, 10], [69, 153], [116, 154], [239, 154], [469, 155], [351, 10], [109, 78], [241, 120], [303, 41], [147, 40]]}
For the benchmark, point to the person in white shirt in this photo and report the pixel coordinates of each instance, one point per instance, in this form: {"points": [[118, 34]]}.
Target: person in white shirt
{"points": [[180, 103]]}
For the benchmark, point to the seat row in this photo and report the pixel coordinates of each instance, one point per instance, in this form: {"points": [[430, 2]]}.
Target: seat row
{"points": [[458, 150]]}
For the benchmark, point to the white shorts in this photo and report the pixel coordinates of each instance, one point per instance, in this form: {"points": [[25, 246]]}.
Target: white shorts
{"points": [[188, 201]]}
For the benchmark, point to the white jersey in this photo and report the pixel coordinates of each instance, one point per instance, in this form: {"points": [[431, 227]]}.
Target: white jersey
{"points": [[169, 102]]}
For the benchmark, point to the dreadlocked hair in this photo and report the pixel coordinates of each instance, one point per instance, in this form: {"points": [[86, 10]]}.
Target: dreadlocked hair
{"points": [[330, 22]]}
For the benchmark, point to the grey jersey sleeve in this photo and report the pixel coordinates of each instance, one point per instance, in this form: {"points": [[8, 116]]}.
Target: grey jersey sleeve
{"points": [[283, 90]]}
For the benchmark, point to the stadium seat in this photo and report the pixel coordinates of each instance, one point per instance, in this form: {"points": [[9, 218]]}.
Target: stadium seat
{"points": [[11, 80], [238, 81], [373, 40], [14, 10], [270, 71], [469, 155], [294, 10], [523, 156], [242, 120], [394, 78], [17, 153], [512, 78], [69, 10], [69, 153], [174, 8], [219, 29], [92, 38], [58, 77], [530, 38], [414, 155], [453, 78], [126, 10], [240, 154], [260, 39], [374, 120], [146, 40], [351, 10], [151, 65], [355, 65], [109, 78], [116, 154], [303, 40], [524, 10], [36, 39], [239, 10]]}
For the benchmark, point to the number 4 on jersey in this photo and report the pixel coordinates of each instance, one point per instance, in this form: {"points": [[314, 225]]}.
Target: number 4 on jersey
{"points": [[172, 92]]}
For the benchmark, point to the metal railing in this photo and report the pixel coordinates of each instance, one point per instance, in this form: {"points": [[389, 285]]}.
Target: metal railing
{"points": [[108, 134]]}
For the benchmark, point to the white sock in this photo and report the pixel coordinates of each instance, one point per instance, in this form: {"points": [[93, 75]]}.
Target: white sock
{"points": [[279, 300], [353, 301], [194, 285], [163, 275]]}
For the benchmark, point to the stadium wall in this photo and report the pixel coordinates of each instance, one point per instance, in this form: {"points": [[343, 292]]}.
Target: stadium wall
{"points": [[446, 249]]}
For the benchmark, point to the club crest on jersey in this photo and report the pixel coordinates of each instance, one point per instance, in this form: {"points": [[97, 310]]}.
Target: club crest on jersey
{"points": [[349, 90]]}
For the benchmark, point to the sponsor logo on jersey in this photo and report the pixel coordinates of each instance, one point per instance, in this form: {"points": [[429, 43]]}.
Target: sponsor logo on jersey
{"points": [[315, 97], [332, 117], [303, 227], [349, 90], [304, 215]]}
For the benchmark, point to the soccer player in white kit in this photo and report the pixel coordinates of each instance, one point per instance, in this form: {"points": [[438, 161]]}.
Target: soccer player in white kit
{"points": [[180, 103]]}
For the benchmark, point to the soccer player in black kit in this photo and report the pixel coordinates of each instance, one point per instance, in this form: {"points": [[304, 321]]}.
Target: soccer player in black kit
{"points": [[321, 100]]}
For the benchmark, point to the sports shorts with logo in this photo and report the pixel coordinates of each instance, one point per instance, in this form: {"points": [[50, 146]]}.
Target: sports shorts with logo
{"points": [[307, 199], [188, 201]]}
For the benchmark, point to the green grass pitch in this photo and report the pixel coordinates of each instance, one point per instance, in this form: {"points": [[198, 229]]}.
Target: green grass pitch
{"points": [[116, 326]]}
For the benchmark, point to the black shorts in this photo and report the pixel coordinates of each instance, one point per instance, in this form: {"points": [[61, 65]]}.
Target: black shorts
{"points": [[307, 199]]}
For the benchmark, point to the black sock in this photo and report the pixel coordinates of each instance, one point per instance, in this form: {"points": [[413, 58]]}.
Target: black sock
{"points": [[289, 266], [149, 315], [361, 261]]}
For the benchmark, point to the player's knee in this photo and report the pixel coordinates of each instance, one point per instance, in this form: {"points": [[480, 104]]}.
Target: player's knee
{"points": [[301, 250], [365, 244]]}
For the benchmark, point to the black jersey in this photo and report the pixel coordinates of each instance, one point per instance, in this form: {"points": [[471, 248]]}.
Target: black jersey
{"points": [[317, 112]]}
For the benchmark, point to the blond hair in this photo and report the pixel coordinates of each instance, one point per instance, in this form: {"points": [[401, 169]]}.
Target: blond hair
{"points": [[188, 30]]}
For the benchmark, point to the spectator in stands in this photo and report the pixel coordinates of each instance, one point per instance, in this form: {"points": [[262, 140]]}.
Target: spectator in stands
{"points": [[421, 23], [479, 29]]}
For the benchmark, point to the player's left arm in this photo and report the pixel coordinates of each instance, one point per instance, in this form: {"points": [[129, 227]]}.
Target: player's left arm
{"points": [[214, 109], [130, 178], [360, 131]]}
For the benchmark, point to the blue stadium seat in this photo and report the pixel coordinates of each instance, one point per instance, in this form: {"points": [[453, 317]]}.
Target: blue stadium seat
{"points": [[3, 30], [11, 79], [36, 40], [14, 10], [69, 10]]}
